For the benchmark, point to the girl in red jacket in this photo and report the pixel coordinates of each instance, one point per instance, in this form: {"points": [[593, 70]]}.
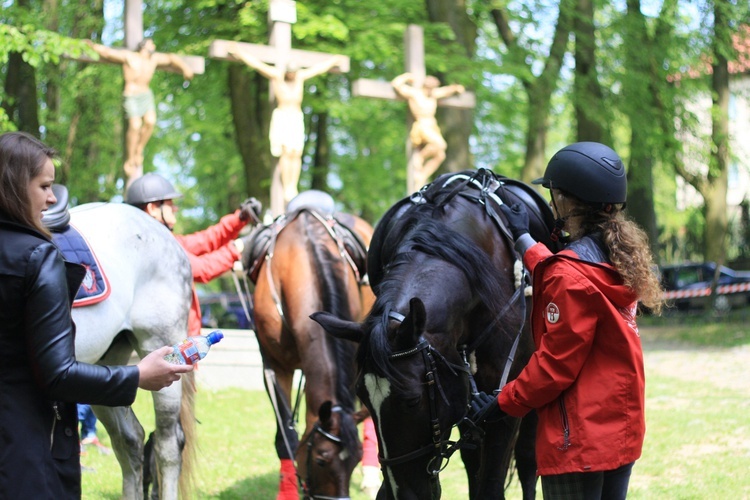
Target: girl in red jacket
{"points": [[586, 379], [213, 251]]}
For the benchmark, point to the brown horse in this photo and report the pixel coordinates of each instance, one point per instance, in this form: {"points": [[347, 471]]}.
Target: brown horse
{"points": [[449, 319], [310, 265]]}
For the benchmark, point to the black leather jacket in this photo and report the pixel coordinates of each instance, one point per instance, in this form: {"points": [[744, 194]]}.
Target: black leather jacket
{"points": [[40, 379]]}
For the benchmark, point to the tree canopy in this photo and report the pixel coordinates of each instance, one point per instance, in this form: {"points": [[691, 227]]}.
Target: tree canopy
{"points": [[544, 73]]}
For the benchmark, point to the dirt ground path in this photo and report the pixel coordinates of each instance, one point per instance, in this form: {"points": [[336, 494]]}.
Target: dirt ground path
{"points": [[723, 367]]}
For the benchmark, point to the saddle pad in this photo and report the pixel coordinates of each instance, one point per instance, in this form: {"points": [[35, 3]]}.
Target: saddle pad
{"points": [[95, 286]]}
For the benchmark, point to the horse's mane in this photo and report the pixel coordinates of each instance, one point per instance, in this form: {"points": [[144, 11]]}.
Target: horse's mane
{"points": [[423, 230], [334, 295]]}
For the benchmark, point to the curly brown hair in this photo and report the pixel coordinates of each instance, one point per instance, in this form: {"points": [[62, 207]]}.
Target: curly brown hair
{"points": [[629, 251]]}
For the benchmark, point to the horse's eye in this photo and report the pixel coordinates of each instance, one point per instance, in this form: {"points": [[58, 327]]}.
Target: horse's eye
{"points": [[413, 402], [323, 458]]}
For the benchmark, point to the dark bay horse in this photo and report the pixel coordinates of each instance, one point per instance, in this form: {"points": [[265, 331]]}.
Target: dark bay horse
{"points": [[449, 319], [309, 267]]}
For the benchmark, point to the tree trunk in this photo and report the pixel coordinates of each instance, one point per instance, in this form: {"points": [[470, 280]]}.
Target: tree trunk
{"points": [[456, 125], [20, 91], [52, 73], [648, 116], [322, 158], [251, 116], [539, 89], [641, 186], [715, 197], [588, 100]]}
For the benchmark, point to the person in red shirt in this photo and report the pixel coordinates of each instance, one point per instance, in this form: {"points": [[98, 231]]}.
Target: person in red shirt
{"points": [[211, 252], [586, 379]]}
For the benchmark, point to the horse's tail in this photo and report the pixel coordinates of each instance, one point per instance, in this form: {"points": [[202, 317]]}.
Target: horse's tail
{"points": [[188, 423]]}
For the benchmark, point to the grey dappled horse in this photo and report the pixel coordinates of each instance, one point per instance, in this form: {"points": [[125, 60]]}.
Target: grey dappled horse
{"points": [[150, 279]]}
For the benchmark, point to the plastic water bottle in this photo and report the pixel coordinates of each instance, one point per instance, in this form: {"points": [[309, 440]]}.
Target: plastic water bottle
{"points": [[193, 349]]}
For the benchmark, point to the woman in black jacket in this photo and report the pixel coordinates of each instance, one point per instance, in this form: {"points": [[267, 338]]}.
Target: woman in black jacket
{"points": [[40, 379]]}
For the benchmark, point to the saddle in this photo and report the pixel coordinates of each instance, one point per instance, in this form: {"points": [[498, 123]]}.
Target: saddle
{"points": [[74, 247], [320, 205], [484, 186]]}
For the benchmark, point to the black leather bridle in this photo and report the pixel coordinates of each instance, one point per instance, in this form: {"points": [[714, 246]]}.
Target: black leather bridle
{"points": [[306, 484], [440, 448]]}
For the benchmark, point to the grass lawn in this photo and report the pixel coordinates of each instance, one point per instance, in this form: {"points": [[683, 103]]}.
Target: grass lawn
{"points": [[697, 444]]}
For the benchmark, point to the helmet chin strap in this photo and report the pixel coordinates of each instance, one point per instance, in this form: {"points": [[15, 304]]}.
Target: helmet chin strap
{"points": [[557, 232], [163, 220]]}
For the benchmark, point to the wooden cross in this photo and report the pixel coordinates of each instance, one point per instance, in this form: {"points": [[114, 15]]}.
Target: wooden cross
{"points": [[137, 71], [133, 14], [414, 62], [279, 53]]}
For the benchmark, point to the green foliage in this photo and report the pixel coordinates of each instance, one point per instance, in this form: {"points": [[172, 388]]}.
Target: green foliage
{"points": [[196, 141], [38, 46]]}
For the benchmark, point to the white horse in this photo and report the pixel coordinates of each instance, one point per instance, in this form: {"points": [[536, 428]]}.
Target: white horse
{"points": [[150, 281]]}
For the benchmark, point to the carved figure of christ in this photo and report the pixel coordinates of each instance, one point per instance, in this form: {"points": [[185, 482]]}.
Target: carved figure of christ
{"points": [[426, 145], [287, 70]]}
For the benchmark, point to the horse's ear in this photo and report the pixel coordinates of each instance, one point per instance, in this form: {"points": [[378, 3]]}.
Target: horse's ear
{"points": [[339, 328], [413, 325], [324, 412]]}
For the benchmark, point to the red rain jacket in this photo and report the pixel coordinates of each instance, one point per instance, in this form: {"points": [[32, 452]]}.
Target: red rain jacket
{"points": [[211, 253], [586, 379]]}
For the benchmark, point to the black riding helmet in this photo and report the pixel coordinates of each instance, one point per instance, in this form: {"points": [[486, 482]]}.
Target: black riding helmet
{"points": [[590, 171], [150, 187]]}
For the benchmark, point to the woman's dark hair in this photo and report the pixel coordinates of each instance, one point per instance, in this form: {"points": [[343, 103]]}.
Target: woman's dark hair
{"points": [[22, 157]]}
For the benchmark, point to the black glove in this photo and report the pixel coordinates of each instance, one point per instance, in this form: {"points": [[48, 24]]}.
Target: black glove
{"points": [[484, 408], [518, 219], [250, 210], [247, 247]]}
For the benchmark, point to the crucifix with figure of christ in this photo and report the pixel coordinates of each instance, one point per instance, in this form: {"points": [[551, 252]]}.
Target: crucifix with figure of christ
{"points": [[140, 61], [287, 70], [426, 145]]}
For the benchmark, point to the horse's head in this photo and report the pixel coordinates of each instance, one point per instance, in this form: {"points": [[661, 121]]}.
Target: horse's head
{"points": [[416, 392], [328, 453]]}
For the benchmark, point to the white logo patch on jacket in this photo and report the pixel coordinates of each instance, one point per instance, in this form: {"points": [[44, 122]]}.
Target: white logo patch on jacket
{"points": [[552, 312]]}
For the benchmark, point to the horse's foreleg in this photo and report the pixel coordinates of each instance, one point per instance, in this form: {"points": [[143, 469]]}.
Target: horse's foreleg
{"points": [[526, 455], [279, 387], [497, 448], [169, 440], [127, 435], [472, 461]]}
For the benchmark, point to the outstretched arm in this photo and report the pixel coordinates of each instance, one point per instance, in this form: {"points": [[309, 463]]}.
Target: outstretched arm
{"points": [[175, 61], [108, 54], [447, 91], [264, 69], [320, 68], [402, 85]]}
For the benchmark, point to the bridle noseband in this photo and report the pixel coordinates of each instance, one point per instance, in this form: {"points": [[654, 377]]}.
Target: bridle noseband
{"points": [[306, 483]]}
